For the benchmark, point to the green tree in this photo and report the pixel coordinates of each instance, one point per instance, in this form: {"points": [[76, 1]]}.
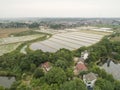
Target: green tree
{"points": [[34, 25], [38, 73], [15, 85], [23, 87], [93, 57], [104, 84], [69, 73], [2, 88], [97, 88], [37, 57], [55, 76], [57, 26], [117, 85], [76, 84], [78, 51], [25, 65], [66, 55], [54, 86], [46, 87], [32, 67], [61, 63]]}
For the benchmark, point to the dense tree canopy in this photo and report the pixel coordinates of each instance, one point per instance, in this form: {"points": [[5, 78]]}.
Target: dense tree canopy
{"points": [[61, 76], [61, 63], [55, 76], [38, 73], [34, 25], [76, 84], [104, 84]]}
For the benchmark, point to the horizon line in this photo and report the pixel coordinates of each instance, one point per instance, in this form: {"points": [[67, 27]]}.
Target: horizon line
{"points": [[53, 17]]}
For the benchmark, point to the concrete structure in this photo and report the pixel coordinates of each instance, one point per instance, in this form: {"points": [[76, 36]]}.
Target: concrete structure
{"points": [[84, 55], [89, 79]]}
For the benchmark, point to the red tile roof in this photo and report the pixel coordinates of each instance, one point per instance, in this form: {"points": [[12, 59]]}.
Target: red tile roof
{"points": [[46, 64], [80, 66]]}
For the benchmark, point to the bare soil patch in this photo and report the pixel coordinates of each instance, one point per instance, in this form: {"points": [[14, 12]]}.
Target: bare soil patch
{"points": [[6, 32]]}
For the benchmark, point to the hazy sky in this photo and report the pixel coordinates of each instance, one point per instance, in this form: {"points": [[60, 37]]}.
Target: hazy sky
{"points": [[59, 8]]}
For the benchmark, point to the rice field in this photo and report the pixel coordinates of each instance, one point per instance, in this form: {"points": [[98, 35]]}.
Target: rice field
{"points": [[68, 40], [10, 40], [8, 48], [11, 43]]}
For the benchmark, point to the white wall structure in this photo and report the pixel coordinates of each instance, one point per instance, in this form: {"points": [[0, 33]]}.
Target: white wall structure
{"points": [[89, 79], [84, 55]]}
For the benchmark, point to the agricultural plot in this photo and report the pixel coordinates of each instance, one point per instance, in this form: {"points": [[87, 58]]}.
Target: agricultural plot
{"points": [[11, 43], [8, 48], [74, 38], [50, 31], [43, 47], [6, 32], [68, 40], [9, 40], [56, 45]]}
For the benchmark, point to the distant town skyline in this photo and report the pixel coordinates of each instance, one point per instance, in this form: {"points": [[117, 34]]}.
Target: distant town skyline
{"points": [[59, 8]]}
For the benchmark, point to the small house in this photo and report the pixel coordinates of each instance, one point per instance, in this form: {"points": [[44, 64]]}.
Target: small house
{"points": [[80, 66], [89, 79], [46, 66]]}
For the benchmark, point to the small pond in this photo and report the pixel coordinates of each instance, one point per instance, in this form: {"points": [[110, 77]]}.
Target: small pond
{"points": [[6, 81], [113, 69]]}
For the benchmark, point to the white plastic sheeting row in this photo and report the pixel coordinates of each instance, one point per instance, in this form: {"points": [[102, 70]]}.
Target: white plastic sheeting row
{"points": [[69, 40]]}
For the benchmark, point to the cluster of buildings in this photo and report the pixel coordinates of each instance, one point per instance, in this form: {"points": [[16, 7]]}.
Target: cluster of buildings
{"points": [[80, 66]]}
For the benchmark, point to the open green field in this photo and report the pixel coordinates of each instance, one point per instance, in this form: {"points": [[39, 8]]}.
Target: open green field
{"points": [[59, 40], [8, 48], [25, 33], [117, 38], [11, 43]]}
